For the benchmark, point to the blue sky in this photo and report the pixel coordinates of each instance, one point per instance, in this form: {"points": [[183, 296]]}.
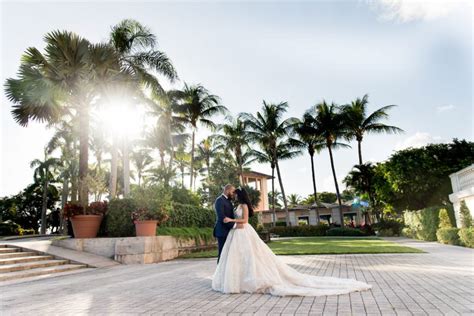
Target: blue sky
{"points": [[416, 55]]}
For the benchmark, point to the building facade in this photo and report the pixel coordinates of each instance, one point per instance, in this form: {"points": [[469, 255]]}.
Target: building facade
{"points": [[463, 190]]}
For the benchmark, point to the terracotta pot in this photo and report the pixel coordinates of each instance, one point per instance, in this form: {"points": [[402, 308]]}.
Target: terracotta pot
{"points": [[86, 226], [146, 228]]}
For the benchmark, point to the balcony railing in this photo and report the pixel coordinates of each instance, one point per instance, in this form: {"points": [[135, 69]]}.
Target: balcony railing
{"points": [[463, 179]]}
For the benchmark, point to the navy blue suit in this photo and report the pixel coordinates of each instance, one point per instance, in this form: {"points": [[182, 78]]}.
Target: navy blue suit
{"points": [[223, 208]]}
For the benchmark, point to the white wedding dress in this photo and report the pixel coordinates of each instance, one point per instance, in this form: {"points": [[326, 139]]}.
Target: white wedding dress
{"points": [[247, 265]]}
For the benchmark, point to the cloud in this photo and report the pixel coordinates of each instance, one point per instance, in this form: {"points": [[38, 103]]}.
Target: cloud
{"points": [[417, 140], [445, 108], [412, 10]]}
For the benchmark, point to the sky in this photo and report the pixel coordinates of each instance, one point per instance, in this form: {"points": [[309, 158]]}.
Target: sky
{"points": [[415, 54]]}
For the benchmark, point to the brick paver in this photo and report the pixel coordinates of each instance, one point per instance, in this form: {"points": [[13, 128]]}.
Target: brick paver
{"points": [[440, 282]]}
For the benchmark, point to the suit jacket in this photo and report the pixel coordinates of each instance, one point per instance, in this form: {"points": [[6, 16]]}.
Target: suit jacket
{"points": [[223, 208]]}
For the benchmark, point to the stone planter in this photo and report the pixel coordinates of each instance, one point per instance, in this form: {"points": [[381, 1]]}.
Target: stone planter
{"points": [[86, 226], [145, 228]]}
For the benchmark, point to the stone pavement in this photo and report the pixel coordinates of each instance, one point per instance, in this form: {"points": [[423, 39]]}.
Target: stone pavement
{"points": [[440, 282]]}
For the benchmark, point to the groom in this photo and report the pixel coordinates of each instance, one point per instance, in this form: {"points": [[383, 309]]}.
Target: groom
{"points": [[224, 208]]}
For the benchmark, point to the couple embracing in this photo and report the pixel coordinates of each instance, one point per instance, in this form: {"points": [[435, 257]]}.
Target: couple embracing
{"points": [[246, 264]]}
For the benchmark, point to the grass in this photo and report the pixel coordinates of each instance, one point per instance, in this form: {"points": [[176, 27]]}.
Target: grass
{"points": [[325, 245]]}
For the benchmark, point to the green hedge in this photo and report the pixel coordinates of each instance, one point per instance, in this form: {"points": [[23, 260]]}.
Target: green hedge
{"points": [[448, 235], [338, 231], [388, 227], [423, 224], [195, 233], [184, 215], [299, 231], [9, 229], [466, 236]]}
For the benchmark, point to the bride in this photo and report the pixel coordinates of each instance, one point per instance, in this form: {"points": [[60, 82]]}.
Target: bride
{"points": [[247, 265]]}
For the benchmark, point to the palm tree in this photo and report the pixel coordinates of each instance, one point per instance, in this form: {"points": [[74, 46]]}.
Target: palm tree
{"points": [[63, 81], [329, 122], [182, 160], [358, 122], [197, 106], [206, 150], [360, 178], [271, 133], [308, 136], [142, 160], [236, 138], [294, 199], [135, 45], [44, 172]]}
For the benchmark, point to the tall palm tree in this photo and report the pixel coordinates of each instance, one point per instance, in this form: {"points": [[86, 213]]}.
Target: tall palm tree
{"points": [[308, 135], [64, 80], [44, 172], [206, 150], [330, 125], [142, 160], [358, 122], [268, 129], [235, 138], [197, 105], [182, 160], [135, 45]]}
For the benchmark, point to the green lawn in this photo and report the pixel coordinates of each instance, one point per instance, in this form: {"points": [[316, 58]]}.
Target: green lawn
{"points": [[325, 245]]}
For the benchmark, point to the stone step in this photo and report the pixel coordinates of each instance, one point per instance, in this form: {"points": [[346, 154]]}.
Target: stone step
{"points": [[30, 265], [44, 271], [17, 254], [9, 249], [25, 259]]}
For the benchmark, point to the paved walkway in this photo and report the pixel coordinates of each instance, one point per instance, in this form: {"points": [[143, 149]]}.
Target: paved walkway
{"points": [[440, 282]]}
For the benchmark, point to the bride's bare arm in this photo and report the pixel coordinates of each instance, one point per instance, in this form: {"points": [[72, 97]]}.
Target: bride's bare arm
{"points": [[245, 216]]}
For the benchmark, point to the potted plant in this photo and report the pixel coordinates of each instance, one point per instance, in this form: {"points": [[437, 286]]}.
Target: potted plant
{"points": [[85, 221], [153, 205], [146, 220]]}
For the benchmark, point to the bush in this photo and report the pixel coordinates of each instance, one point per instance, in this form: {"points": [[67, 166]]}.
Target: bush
{"points": [[466, 237], [9, 228], [299, 231], [448, 235], [205, 234], [153, 203], [388, 227], [409, 232], [346, 231], [185, 196], [423, 224], [280, 224], [444, 221], [184, 215], [368, 230], [465, 215], [118, 221]]}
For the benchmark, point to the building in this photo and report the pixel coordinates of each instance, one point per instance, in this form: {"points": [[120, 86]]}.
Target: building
{"points": [[463, 190], [258, 181], [306, 214]]}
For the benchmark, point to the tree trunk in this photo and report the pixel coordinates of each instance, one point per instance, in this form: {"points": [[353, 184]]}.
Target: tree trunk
{"points": [[45, 204], [314, 189], [113, 170], [283, 194], [64, 195], [337, 187], [273, 197], [359, 146], [83, 154], [126, 168], [182, 177], [74, 187], [192, 162], [139, 178]]}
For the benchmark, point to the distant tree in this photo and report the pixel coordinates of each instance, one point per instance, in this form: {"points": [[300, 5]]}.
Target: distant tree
{"points": [[465, 214]]}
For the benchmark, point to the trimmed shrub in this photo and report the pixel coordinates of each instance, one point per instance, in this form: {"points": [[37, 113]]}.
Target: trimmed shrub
{"points": [[465, 215], [346, 231], [388, 227], [119, 221], [185, 215], [448, 235], [9, 228], [444, 220], [299, 231], [466, 236], [423, 224], [280, 224], [409, 232], [196, 233]]}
